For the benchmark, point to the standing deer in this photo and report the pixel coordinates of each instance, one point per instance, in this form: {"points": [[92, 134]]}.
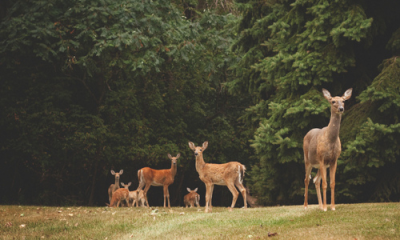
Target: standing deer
{"points": [[113, 187], [150, 177], [119, 195], [229, 174], [322, 148], [191, 198], [133, 196]]}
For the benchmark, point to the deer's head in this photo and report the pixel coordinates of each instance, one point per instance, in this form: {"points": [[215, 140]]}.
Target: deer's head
{"points": [[117, 174], [337, 103], [198, 151], [174, 159]]}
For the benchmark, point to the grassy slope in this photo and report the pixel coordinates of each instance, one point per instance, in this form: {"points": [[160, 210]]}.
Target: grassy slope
{"points": [[349, 221]]}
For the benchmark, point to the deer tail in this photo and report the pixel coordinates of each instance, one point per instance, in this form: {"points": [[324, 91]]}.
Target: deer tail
{"points": [[241, 171], [141, 179]]}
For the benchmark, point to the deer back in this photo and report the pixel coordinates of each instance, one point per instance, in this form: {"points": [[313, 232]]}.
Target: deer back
{"points": [[157, 177], [221, 173]]}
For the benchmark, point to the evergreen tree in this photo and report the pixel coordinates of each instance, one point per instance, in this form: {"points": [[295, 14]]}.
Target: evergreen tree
{"points": [[292, 49]]}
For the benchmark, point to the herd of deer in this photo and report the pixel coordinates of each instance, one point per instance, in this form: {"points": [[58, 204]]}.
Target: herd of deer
{"points": [[321, 148]]}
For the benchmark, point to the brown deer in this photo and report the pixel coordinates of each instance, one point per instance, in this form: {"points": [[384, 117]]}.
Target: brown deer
{"points": [[119, 195], [133, 195], [322, 148], [191, 198], [150, 177], [113, 187], [229, 174]]}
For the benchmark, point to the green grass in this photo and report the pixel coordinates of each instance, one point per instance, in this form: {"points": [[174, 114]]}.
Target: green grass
{"points": [[349, 221]]}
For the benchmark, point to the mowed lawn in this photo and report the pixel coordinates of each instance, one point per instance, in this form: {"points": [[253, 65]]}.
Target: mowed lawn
{"points": [[349, 221]]}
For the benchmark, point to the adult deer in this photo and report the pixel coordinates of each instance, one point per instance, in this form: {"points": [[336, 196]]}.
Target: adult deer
{"points": [[151, 177], [133, 196], [322, 148], [229, 174], [113, 187], [192, 198]]}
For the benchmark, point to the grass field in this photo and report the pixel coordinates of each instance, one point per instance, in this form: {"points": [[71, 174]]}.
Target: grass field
{"points": [[349, 221]]}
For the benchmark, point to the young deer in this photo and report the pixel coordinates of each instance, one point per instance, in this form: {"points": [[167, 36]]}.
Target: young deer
{"points": [[133, 195], [229, 174], [119, 195], [322, 148], [113, 187], [151, 177], [191, 198]]}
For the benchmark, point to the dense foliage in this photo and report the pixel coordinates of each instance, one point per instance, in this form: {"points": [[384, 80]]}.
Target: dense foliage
{"points": [[293, 49], [90, 86]]}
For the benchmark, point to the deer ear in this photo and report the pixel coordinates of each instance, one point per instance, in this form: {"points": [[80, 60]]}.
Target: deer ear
{"points": [[327, 94], [122, 184], [188, 189], [112, 172], [129, 183], [178, 156], [195, 190], [205, 145], [121, 172], [169, 156], [347, 94], [191, 145]]}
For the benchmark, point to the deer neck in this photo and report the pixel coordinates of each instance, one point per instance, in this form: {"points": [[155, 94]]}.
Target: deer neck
{"points": [[200, 163], [116, 184], [173, 169], [334, 127]]}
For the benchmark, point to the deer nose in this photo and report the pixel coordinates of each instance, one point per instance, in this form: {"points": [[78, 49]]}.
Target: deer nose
{"points": [[195, 153], [341, 109]]}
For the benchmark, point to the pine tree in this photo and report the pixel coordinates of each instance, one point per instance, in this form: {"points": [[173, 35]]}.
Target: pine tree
{"points": [[292, 49]]}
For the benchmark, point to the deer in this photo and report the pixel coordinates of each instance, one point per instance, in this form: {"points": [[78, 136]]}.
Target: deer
{"points": [[119, 195], [322, 148], [151, 177], [191, 198], [133, 195], [229, 174], [113, 187]]}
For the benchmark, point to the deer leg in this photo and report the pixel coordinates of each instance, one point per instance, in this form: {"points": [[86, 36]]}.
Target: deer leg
{"points": [[166, 195], [332, 174], [235, 194], [208, 197], [242, 189], [145, 194], [317, 183], [306, 182], [322, 171], [211, 194]]}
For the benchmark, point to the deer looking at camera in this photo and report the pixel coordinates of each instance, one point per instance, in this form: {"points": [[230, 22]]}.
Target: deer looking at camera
{"points": [[133, 195], [192, 198], [229, 174], [151, 177], [115, 186], [322, 148], [118, 196]]}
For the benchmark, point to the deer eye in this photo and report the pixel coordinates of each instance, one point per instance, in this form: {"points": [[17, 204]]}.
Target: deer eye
{"points": [[333, 101]]}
